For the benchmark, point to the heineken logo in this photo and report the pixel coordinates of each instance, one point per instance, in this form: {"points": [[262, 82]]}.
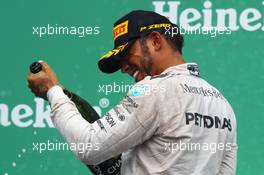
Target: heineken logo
{"points": [[209, 15], [22, 115]]}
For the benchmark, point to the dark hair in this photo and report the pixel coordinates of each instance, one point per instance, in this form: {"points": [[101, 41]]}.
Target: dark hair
{"points": [[143, 44], [175, 40], [173, 37]]}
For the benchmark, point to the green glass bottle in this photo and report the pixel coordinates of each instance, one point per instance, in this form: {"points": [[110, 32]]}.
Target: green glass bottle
{"points": [[108, 167]]}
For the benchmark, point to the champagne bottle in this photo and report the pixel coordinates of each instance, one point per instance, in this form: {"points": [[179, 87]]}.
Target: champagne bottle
{"points": [[109, 167]]}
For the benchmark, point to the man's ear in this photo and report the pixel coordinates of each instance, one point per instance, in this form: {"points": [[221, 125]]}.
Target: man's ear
{"points": [[156, 40]]}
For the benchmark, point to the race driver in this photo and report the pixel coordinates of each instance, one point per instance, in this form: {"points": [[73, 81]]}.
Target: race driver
{"points": [[172, 122]]}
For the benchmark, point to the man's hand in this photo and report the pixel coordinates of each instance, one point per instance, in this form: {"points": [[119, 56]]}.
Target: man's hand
{"points": [[42, 81]]}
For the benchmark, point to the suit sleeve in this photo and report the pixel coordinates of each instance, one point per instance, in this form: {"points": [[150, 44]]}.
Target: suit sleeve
{"points": [[229, 161], [128, 124]]}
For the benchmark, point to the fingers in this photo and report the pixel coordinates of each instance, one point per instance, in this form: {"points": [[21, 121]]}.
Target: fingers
{"points": [[31, 77], [31, 85], [31, 82], [45, 66], [34, 87]]}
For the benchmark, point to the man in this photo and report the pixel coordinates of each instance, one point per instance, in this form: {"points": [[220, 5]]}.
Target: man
{"points": [[171, 122]]}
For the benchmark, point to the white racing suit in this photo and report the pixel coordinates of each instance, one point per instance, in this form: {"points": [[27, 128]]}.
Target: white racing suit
{"points": [[171, 124]]}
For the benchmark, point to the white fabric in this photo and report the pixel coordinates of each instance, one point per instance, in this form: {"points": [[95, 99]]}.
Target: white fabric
{"points": [[166, 125]]}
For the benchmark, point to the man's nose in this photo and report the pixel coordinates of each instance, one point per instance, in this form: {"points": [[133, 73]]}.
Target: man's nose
{"points": [[124, 68]]}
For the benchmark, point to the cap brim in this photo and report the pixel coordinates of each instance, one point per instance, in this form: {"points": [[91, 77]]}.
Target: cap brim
{"points": [[111, 62]]}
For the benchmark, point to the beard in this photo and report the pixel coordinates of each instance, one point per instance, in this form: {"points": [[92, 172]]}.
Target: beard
{"points": [[146, 60], [147, 64]]}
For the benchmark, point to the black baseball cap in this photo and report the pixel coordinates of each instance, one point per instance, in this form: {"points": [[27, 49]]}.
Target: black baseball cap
{"points": [[126, 30]]}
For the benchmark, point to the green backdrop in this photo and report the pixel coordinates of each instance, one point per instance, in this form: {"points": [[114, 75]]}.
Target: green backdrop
{"points": [[231, 62]]}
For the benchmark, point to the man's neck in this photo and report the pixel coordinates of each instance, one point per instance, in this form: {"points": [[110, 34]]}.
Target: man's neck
{"points": [[173, 60]]}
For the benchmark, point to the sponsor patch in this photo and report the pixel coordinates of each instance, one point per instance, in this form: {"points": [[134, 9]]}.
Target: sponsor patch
{"points": [[129, 104], [120, 29], [110, 120], [154, 26], [132, 103], [114, 51], [207, 121], [193, 69], [138, 90], [201, 91], [100, 124]]}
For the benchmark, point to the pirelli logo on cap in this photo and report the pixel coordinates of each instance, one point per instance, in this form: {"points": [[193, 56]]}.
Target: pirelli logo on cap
{"points": [[120, 29]]}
